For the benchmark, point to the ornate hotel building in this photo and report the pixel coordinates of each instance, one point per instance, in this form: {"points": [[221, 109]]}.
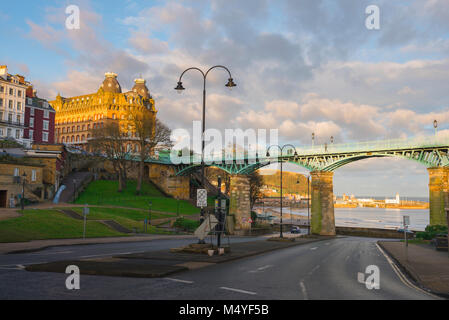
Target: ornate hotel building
{"points": [[77, 116]]}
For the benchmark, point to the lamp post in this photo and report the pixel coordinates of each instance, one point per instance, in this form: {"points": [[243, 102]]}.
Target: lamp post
{"points": [[332, 139], [180, 89], [308, 204], [313, 139], [268, 155], [435, 125], [22, 202]]}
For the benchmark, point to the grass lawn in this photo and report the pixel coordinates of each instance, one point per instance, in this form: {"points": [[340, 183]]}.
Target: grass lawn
{"points": [[50, 224], [128, 218], [104, 192]]}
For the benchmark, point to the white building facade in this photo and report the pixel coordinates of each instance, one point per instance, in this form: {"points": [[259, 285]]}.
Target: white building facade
{"points": [[12, 106]]}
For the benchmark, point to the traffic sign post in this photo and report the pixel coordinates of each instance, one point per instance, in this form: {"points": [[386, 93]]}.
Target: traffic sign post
{"points": [[201, 198]]}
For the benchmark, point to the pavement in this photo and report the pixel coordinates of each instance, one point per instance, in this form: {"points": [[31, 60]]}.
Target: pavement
{"points": [[425, 265], [164, 262], [328, 269], [35, 245]]}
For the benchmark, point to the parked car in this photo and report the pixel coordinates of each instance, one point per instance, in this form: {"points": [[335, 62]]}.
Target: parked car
{"points": [[295, 229], [409, 232]]}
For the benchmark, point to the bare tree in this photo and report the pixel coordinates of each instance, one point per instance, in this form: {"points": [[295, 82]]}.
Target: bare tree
{"points": [[148, 132], [255, 184], [110, 144]]}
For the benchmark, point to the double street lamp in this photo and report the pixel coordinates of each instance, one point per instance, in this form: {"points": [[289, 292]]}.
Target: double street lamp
{"points": [[180, 88], [281, 161], [22, 202]]}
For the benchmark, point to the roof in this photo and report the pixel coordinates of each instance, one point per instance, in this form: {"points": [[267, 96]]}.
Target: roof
{"points": [[39, 103]]}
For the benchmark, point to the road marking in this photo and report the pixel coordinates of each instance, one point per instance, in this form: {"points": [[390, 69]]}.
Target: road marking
{"points": [[13, 267], [304, 291], [49, 253], [401, 276], [238, 290], [314, 269], [327, 243], [314, 248], [105, 255], [261, 268], [179, 280]]}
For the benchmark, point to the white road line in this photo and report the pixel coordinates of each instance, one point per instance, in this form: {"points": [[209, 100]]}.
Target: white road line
{"points": [[327, 243], [314, 248], [106, 254], [314, 269], [238, 290], [261, 268], [49, 253], [402, 277], [179, 280], [304, 291]]}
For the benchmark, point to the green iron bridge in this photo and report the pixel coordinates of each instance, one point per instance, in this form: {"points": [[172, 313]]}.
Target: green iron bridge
{"points": [[322, 161], [429, 152]]}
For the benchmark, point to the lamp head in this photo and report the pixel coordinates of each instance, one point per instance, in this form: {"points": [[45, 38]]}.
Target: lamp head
{"points": [[435, 124], [231, 84], [179, 88]]}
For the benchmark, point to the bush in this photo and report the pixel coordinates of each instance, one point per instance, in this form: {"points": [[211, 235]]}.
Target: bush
{"points": [[431, 232], [186, 224], [253, 216]]}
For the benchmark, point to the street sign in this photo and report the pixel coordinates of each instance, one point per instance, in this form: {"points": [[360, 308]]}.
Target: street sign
{"points": [[406, 221], [201, 198], [85, 210]]}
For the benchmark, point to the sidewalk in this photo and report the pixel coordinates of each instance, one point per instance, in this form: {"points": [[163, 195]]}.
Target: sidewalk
{"points": [[35, 245], [428, 267]]}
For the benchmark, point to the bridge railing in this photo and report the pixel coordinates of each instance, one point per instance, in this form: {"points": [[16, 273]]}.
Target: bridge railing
{"points": [[365, 146]]}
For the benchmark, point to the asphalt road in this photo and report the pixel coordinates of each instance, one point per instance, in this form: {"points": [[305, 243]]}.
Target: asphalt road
{"points": [[320, 270]]}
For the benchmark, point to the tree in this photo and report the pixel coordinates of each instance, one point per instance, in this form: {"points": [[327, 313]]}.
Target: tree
{"points": [[255, 184], [110, 144], [148, 132]]}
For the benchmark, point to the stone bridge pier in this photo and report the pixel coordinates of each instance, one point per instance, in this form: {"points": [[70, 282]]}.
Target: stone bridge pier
{"points": [[438, 195], [322, 220], [239, 204]]}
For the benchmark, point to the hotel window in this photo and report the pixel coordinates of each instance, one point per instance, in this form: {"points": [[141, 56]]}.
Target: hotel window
{"points": [[31, 134], [9, 132], [31, 122], [18, 118], [1, 102], [46, 114], [30, 101], [17, 134], [1, 115], [16, 172], [33, 175], [32, 112], [9, 117], [45, 136], [2, 89], [19, 93], [11, 92], [1, 132], [19, 105], [45, 124], [10, 104]]}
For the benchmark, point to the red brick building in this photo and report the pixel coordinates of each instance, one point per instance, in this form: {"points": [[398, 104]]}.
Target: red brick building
{"points": [[39, 120]]}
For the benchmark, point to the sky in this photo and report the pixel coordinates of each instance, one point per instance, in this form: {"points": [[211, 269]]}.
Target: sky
{"points": [[301, 67]]}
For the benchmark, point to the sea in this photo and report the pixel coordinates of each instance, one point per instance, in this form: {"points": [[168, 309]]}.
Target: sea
{"points": [[383, 218]]}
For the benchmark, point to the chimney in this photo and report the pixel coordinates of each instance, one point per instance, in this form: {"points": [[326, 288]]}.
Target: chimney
{"points": [[4, 72], [29, 91], [35, 93]]}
